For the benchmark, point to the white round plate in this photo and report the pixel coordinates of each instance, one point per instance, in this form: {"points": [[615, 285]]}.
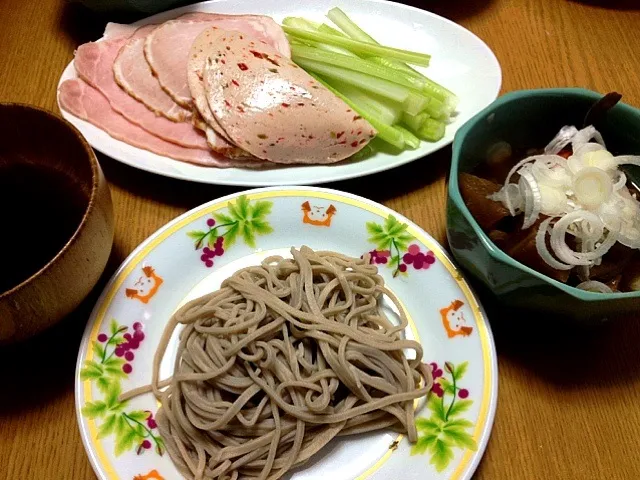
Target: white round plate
{"points": [[168, 269], [460, 61]]}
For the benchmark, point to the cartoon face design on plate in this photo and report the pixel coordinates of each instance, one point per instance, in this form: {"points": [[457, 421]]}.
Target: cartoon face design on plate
{"points": [[146, 286], [453, 320], [317, 215], [152, 475]]}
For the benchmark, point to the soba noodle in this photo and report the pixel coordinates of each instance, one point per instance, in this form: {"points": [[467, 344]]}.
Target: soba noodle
{"points": [[280, 360]]}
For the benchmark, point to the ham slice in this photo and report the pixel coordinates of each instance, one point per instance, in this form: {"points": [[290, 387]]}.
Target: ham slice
{"points": [[167, 47], [133, 74], [118, 30], [94, 64], [216, 136], [82, 100], [273, 109]]}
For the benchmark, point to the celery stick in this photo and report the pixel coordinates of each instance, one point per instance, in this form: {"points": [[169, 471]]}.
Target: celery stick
{"points": [[329, 29], [431, 130], [385, 132], [430, 87], [360, 47], [356, 64], [410, 140], [388, 112], [337, 16], [321, 46], [299, 22], [355, 32], [414, 122], [417, 103], [366, 152], [384, 88]]}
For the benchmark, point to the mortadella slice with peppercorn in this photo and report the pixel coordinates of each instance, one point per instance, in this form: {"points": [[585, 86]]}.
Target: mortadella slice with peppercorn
{"points": [[216, 136], [273, 109]]}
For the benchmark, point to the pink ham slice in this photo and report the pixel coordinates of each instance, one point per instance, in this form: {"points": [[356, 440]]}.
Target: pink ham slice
{"points": [[94, 64], [167, 48], [118, 30], [80, 99], [133, 74]]}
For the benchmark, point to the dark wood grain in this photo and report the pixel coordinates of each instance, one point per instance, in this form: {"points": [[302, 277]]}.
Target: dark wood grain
{"points": [[568, 397]]}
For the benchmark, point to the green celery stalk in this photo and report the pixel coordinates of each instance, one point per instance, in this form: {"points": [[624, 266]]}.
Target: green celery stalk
{"points": [[337, 16], [414, 122], [299, 22], [417, 103], [381, 87], [321, 46], [431, 88], [366, 152], [341, 19], [410, 140], [431, 130], [356, 64], [329, 29], [389, 112], [360, 47], [385, 132]]}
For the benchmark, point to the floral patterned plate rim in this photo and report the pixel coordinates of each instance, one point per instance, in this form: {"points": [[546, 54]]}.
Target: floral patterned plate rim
{"points": [[192, 254]]}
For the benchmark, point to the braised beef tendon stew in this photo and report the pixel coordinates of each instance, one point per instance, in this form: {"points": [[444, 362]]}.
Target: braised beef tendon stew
{"points": [[567, 211]]}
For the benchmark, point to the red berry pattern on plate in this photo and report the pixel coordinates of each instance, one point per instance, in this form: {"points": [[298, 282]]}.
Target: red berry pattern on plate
{"points": [[446, 429], [395, 248], [113, 357], [245, 220]]}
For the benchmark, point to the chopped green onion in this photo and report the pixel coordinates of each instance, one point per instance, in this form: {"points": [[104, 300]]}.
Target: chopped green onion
{"points": [[381, 87], [359, 47]]}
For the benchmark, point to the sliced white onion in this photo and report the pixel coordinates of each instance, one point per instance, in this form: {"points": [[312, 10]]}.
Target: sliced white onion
{"points": [[592, 187], [621, 180], [585, 135], [532, 198], [587, 148], [587, 192], [628, 160], [599, 158], [543, 251], [553, 200], [562, 250], [561, 140], [552, 173], [594, 286]]}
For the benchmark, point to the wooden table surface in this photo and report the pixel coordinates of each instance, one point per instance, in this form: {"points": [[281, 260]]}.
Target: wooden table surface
{"points": [[568, 398]]}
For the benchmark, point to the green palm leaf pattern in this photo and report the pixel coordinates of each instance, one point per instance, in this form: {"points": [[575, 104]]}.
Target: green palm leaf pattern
{"points": [[130, 429], [445, 430]]}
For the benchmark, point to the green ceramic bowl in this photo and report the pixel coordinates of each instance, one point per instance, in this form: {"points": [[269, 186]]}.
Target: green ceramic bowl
{"points": [[529, 119]]}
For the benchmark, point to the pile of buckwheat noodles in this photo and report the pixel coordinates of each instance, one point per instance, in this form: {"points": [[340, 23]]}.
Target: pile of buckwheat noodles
{"points": [[280, 360]]}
